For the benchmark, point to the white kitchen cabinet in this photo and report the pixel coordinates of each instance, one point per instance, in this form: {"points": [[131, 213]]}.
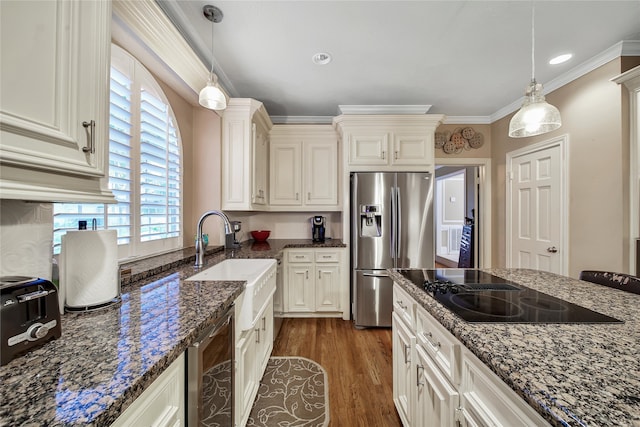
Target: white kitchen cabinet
{"points": [[448, 384], [161, 404], [300, 289], [253, 348], [436, 400], [315, 283], [388, 142], [403, 348], [245, 141], [54, 111], [286, 173], [303, 167]]}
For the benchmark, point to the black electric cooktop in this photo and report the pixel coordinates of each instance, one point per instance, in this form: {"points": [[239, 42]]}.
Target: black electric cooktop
{"points": [[480, 297]]}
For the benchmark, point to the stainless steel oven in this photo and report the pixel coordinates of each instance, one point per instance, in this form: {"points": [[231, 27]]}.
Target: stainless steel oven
{"points": [[210, 376]]}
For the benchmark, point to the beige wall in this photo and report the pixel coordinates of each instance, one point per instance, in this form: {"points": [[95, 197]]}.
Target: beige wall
{"points": [[201, 142], [592, 116]]}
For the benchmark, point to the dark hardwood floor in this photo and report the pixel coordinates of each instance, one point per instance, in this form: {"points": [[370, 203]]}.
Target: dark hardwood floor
{"points": [[358, 365]]}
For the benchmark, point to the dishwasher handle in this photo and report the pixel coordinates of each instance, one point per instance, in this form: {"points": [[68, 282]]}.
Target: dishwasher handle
{"points": [[207, 336]]}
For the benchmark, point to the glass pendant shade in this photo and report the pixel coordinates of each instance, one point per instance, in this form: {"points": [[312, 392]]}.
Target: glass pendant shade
{"points": [[536, 116], [211, 96]]}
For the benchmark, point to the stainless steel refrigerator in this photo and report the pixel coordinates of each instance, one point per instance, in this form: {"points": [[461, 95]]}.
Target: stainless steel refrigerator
{"points": [[391, 226]]}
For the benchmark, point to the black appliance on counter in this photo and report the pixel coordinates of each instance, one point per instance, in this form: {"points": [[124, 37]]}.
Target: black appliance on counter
{"points": [[480, 297], [318, 228], [29, 313]]}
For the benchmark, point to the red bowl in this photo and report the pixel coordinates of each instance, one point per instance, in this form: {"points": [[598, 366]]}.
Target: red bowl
{"points": [[260, 235]]}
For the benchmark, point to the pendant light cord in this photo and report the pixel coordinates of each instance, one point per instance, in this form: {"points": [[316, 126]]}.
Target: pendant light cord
{"points": [[533, 43], [211, 72]]}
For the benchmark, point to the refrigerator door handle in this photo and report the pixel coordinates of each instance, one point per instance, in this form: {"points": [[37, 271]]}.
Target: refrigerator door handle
{"points": [[375, 274], [398, 223], [392, 240]]}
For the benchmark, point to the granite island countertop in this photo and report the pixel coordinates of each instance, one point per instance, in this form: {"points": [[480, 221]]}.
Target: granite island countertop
{"points": [[106, 358], [572, 374]]}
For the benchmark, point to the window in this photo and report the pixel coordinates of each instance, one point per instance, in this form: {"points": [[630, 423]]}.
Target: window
{"points": [[144, 167]]}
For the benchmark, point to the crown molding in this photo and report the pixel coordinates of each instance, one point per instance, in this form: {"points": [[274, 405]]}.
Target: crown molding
{"points": [[302, 119], [467, 120], [383, 109]]}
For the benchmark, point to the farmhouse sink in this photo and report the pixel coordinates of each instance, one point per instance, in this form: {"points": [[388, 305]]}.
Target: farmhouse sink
{"points": [[260, 275]]}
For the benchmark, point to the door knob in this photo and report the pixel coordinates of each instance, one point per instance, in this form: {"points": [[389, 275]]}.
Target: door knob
{"points": [[552, 249]]}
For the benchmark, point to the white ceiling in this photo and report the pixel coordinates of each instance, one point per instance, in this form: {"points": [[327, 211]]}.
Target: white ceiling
{"points": [[467, 59]]}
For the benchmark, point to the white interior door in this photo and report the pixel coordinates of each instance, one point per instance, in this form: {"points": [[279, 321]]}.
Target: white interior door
{"points": [[535, 201]]}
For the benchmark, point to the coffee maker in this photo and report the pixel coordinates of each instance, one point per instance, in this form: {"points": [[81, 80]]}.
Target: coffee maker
{"points": [[318, 228]]}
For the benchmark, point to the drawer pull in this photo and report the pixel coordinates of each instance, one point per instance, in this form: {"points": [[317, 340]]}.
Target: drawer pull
{"points": [[406, 358], [257, 335], [418, 382], [402, 306], [432, 341]]}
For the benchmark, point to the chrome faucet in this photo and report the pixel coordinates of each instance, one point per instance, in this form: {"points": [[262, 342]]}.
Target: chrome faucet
{"points": [[228, 232]]}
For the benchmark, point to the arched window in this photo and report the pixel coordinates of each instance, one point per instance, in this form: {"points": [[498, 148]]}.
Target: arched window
{"points": [[145, 172]]}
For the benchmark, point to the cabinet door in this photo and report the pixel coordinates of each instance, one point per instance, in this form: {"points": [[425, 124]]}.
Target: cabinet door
{"points": [[55, 77], [260, 162], [412, 149], [327, 287], [300, 289], [285, 172], [369, 148], [321, 172], [246, 381], [264, 338], [403, 380], [161, 404], [436, 399]]}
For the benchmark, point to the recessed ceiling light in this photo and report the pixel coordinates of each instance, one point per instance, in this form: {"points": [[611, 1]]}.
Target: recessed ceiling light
{"points": [[560, 59], [321, 58]]}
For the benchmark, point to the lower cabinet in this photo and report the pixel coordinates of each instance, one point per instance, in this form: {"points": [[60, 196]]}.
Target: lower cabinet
{"points": [[252, 351], [437, 381], [161, 404], [315, 283], [403, 344]]}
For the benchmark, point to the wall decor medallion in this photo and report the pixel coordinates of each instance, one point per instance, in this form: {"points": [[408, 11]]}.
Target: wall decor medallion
{"points": [[460, 139]]}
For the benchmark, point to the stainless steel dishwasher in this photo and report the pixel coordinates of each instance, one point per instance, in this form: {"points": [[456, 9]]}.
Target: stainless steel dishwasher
{"points": [[210, 363]]}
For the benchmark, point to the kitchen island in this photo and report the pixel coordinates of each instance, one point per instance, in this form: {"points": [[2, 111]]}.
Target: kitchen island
{"points": [[106, 358], [571, 374]]}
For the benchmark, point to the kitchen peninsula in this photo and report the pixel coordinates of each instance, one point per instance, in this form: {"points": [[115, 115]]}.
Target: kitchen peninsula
{"points": [[570, 374], [105, 359]]}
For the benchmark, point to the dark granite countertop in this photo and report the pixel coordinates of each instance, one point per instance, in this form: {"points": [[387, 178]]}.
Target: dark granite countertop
{"points": [[572, 374], [106, 358]]}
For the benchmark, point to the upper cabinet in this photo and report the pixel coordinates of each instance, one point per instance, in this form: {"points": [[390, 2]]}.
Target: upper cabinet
{"points": [[388, 142], [304, 167], [54, 111], [245, 149]]}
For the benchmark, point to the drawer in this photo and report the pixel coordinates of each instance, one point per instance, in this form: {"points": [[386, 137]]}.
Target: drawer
{"points": [[300, 256], [438, 343], [326, 256], [487, 400], [404, 306]]}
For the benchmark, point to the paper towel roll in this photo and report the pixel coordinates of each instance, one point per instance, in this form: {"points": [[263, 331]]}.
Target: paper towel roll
{"points": [[89, 268]]}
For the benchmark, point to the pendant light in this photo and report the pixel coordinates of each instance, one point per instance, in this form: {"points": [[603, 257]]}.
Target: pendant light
{"points": [[211, 96], [536, 116]]}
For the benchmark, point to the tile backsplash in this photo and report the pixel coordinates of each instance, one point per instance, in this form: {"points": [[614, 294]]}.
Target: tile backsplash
{"points": [[26, 238]]}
